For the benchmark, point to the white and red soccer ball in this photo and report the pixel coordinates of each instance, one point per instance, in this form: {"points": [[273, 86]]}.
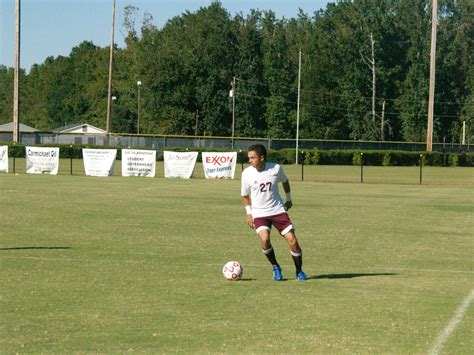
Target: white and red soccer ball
{"points": [[232, 271]]}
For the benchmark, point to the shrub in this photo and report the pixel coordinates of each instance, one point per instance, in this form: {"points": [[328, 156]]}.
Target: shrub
{"points": [[335, 157], [357, 158], [453, 160], [466, 159], [311, 157], [276, 156], [289, 155]]}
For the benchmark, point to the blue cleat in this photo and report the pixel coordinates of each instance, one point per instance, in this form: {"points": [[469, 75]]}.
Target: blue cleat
{"points": [[301, 276], [277, 276]]}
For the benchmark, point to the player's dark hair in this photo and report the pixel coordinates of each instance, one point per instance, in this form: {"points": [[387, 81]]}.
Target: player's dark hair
{"points": [[259, 149]]}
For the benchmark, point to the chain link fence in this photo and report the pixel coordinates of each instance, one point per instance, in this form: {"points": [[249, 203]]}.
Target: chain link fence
{"points": [[161, 142]]}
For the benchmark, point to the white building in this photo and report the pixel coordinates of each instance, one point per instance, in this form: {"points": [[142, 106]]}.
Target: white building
{"points": [[83, 128]]}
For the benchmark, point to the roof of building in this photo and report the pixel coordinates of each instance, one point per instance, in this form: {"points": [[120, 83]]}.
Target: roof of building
{"points": [[75, 126], [8, 127]]}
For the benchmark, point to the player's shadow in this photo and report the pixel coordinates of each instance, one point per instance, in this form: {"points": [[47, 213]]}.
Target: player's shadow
{"points": [[350, 276], [35, 248]]}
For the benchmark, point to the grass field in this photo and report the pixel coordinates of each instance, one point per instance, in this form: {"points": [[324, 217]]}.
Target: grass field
{"points": [[109, 265]]}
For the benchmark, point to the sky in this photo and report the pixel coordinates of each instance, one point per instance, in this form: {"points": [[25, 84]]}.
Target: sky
{"points": [[54, 27]]}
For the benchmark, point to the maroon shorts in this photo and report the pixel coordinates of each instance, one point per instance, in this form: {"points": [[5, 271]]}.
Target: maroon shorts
{"points": [[281, 222]]}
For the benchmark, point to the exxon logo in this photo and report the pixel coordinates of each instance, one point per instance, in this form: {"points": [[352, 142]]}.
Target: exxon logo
{"points": [[219, 160]]}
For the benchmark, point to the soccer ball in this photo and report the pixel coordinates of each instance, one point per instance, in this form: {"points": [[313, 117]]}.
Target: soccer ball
{"points": [[232, 271]]}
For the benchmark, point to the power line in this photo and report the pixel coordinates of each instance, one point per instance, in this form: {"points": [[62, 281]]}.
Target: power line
{"points": [[343, 109], [351, 96]]}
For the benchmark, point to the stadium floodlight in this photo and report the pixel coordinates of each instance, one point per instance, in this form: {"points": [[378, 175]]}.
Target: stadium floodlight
{"points": [[139, 84]]}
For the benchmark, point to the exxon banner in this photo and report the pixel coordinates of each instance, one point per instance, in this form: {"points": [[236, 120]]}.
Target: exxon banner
{"points": [[219, 165]]}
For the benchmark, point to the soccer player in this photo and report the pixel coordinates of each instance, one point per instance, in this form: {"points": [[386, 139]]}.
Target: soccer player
{"points": [[264, 207]]}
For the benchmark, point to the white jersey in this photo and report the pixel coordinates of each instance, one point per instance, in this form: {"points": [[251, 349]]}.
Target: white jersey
{"points": [[262, 187]]}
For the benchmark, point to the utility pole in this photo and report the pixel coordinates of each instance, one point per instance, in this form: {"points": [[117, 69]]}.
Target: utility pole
{"points": [[372, 63], [298, 107], [429, 131], [16, 78], [109, 95]]}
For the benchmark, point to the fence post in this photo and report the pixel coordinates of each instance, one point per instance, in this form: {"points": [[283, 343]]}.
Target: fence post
{"points": [[70, 152], [361, 167], [421, 168], [302, 165], [444, 151]]}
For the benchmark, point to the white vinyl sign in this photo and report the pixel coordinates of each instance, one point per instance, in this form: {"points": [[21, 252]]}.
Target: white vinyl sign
{"points": [[179, 164], [138, 162], [219, 165], [42, 160], [4, 159], [99, 162]]}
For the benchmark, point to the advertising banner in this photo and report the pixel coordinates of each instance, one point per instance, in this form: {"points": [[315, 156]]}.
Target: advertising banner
{"points": [[179, 164], [99, 162], [42, 160], [219, 165], [4, 159], [137, 162]]}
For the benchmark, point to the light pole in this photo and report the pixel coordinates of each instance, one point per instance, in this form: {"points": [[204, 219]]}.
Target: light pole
{"points": [[232, 94], [113, 98], [196, 128], [139, 84], [429, 130]]}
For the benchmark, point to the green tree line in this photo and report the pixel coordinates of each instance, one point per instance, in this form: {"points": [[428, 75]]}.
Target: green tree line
{"points": [[364, 74]]}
